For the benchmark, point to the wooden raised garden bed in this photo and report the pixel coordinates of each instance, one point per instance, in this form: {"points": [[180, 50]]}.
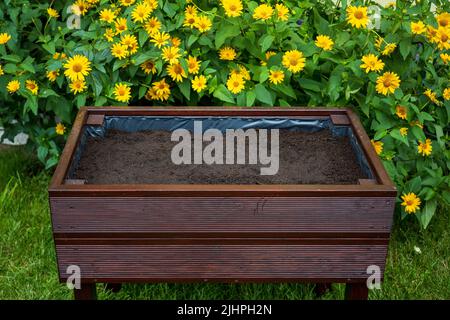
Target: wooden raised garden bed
{"points": [[122, 212]]}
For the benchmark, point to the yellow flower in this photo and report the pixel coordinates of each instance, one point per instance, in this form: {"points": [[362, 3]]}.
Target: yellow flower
{"points": [[445, 58], [77, 86], [109, 35], [443, 19], [404, 131], [411, 202], [418, 27], [141, 12], [388, 49], [127, 3], [1, 70], [149, 67], [162, 89], [416, 123], [431, 34], [235, 83], [151, 94], [357, 16], [193, 65], [425, 148], [446, 94], [203, 23], [122, 92], [160, 38], [442, 38], [13, 86], [4, 38], [378, 146], [198, 83], [32, 86], [432, 96], [153, 4], [387, 83], [130, 42], [107, 15], [152, 26], [282, 12], [171, 54], [276, 76], [119, 51], [52, 13], [77, 67], [121, 25], [262, 12], [371, 63], [59, 56], [176, 72], [233, 8], [324, 42], [176, 42], [191, 10], [401, 112], [80, 7], [190, 20], [294, 61], [379, 42], [227, 53], [52, 75], [60, 129]]}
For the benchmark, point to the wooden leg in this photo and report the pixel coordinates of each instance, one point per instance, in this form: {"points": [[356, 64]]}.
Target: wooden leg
{"points": [[86, 292], [114, 287], [356, 291], [322, 288]]}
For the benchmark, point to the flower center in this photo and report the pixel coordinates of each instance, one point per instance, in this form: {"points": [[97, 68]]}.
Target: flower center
{"points": [[77, 67], [233, 7], [293, 62], [359, 14], [387, 83], [444, 38]]}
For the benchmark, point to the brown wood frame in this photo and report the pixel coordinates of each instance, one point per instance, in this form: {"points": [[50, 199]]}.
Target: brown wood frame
{"points": [[351, 234]]}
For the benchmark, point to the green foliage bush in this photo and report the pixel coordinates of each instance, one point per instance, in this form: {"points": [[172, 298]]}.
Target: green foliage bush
{"points": [[246, 55]]}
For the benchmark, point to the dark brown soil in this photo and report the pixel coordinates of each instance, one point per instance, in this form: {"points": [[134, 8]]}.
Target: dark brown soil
{"points": [[145, 157]]}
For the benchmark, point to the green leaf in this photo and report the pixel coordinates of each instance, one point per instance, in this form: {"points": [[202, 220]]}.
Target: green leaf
{"points": [[191, 40], [226, 31], [266, 41], [405, 47], [395, 133], [185, 88], [31, 104], [263, 95], [42, 153], [223, 94], [118, 64], [309, 84], [81, 100], [250, 98], [427, 213]]}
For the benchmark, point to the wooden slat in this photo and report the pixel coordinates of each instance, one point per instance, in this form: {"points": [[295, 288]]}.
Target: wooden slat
{"points": [[340, 119], [224, 263], [69, 149], [367, 181], [75, 181], [95, 119], [221, 216]]}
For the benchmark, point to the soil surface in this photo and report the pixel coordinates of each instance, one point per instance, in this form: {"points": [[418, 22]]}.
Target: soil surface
{"points": [[145, 157]]}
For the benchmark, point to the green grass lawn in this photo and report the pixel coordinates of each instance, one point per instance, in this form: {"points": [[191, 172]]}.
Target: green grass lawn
{"points": [[28, 266]]}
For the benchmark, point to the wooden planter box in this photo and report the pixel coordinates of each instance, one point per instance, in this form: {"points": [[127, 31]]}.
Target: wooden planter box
{"points": [[221, 233]]}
